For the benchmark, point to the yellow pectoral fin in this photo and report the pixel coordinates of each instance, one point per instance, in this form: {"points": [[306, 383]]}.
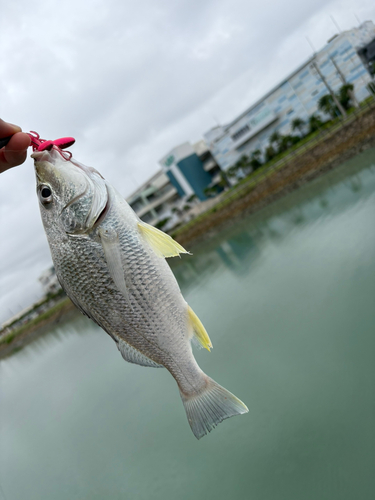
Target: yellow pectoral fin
{"points": [[162, 244], [199, 330]]}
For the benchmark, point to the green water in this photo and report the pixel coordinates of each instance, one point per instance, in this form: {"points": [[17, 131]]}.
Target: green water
{"points": [[287, 297]]}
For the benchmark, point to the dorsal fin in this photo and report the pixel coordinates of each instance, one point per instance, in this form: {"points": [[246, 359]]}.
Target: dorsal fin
{"points": [[199, 330], [162, 244], [132, 355]]}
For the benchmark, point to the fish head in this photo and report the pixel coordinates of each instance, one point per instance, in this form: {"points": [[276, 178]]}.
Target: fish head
{"points": [[71, 195]]}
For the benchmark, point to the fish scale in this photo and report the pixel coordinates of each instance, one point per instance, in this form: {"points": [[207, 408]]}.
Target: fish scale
{"points": [[112, 265], [80, 284]]}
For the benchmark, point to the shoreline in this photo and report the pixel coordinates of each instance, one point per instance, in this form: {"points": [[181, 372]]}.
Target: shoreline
{"points": [[303, 165], [260, 189], [20, 337]]}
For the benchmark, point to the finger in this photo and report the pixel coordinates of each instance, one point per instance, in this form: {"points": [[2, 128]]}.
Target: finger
{"points": [[15, 152], [7, 129]]}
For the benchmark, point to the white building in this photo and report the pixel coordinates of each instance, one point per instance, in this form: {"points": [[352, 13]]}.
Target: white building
{"points": [[340, 61]]}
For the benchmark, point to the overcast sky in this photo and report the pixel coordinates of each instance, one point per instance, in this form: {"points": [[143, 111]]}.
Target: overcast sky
{"points": [[131, 80]]}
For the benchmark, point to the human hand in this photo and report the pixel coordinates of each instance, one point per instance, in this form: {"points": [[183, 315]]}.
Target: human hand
{"points": [[15, 152]]}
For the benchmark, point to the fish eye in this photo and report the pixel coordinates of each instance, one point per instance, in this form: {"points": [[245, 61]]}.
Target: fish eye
{"points": [[45, 195]]}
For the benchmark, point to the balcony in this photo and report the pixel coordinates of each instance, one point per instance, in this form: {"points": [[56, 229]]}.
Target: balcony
{"points": [[209, 164], [254, 131], [158, 201]]}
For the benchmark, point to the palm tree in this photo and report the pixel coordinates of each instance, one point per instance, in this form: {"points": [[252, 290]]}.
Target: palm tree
{"points": [[255, 159], [345, 95], [270, 153], [298, 124], [314, 123], [371, 87], [275, 137], [224, 182], [328, 106], [286, 142], [243, 164], [240, 167], [232, 171], [256, 154], [210, 192]]}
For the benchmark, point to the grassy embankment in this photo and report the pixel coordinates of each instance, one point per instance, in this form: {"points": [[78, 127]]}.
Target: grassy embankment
{"points": [[7, 339], [19, 336], [316, 153]]}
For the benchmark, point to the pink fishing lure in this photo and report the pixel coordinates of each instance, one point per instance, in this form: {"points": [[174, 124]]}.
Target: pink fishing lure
{"points": [[39, 144]]}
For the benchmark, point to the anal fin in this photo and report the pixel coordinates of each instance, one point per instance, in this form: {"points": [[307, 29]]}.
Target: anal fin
{"points": [[132, 355], [199, 330]]}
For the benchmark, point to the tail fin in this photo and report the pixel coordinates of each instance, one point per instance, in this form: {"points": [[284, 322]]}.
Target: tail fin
{"points": [[211, 406]]}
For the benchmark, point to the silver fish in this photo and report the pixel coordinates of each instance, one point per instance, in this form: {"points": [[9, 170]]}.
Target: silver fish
{"points": [[112, 266]]}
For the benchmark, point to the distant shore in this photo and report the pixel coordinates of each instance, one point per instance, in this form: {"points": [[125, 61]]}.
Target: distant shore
{"points": [[19, 337], [316, 157]]}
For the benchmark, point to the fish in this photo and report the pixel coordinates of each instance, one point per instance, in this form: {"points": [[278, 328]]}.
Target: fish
{"points": [[113, 267]]}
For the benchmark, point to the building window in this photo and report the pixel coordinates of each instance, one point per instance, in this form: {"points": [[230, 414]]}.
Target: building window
{"points": [[349, 56], [161, 208], [347, 47], [147, 217], [160, 193], [242, 131], [356, 68], [137, 205]]}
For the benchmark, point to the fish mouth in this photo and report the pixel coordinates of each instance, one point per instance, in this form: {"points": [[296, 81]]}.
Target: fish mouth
{"points": [[89, 183], [41, 156]]}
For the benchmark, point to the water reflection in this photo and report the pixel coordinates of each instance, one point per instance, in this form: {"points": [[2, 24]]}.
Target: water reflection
{"points": [[355, 183], [58, 333], [237, 251]]}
